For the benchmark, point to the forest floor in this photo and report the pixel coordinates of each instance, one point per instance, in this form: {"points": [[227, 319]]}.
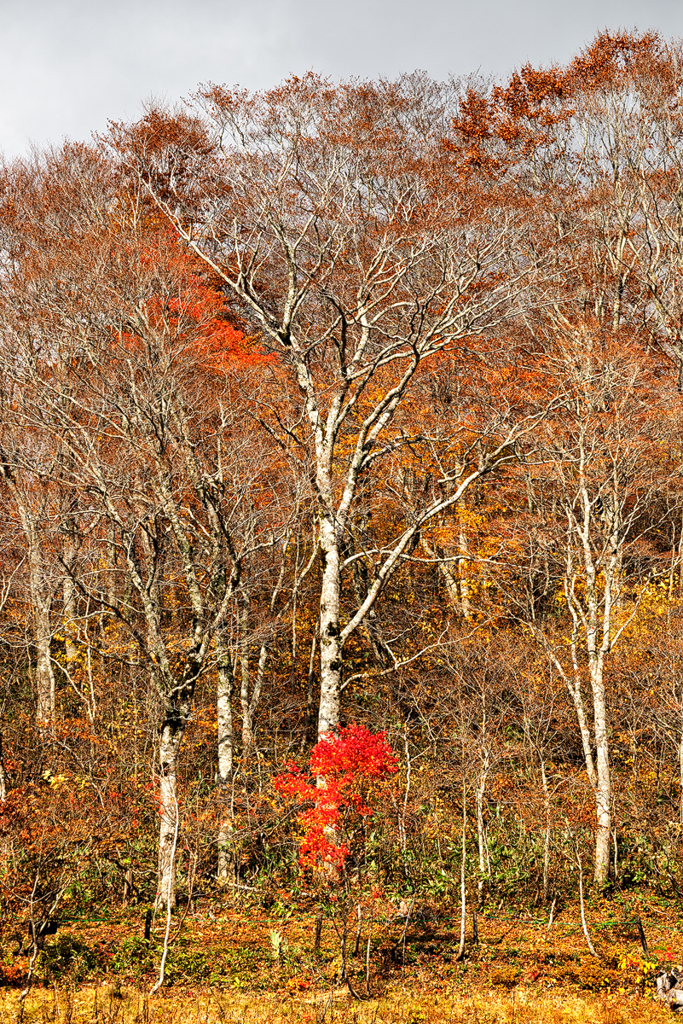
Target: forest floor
{"points": [[236, 963]]}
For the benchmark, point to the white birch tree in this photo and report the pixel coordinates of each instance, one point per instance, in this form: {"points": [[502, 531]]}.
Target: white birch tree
{"points": [[348, 226]]}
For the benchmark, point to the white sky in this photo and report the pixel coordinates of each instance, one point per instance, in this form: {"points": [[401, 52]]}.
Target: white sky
{"points": [[67, 66]]}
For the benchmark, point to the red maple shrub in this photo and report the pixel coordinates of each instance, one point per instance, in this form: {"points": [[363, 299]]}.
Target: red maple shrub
{"points": [[337, 791]]}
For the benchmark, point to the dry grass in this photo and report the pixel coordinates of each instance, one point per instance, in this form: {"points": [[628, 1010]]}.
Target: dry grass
{"points": [[109, 1005], [521, 973]]}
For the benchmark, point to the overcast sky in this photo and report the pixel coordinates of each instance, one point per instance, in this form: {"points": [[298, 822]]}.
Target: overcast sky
{"points": [[67, 66]]}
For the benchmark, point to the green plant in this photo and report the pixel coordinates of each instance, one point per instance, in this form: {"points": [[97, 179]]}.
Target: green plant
{"points": [[132, 956], [67, 958]]}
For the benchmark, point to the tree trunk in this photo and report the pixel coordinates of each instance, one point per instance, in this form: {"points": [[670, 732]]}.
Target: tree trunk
{"points": [[172, 733], [480, 791], [463, 876], [603, 788], [45, 676], [465, 591], [226, 859], [41, 599], [330, 647], [243, 648], [41, 602], [69, 597]]}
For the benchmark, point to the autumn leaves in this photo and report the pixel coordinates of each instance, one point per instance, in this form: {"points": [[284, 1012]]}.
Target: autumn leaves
{"points": [[302, 389]]}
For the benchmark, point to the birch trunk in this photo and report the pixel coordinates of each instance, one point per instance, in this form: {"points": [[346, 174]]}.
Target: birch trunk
{"points": [[330, 646], [599, 532], [243, 627], [463, 877], [226, 859], [600, 600], [41, 604], [257, 688], [45, 676], [465, 602], [603, 789], [172, 733], [69, 597], [41, 600]]}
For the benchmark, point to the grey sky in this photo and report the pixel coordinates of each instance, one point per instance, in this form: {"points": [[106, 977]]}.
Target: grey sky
{"points": [[66, 66]]}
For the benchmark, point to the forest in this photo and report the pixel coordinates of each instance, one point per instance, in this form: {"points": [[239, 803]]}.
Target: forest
{"points": [[341, 440]]}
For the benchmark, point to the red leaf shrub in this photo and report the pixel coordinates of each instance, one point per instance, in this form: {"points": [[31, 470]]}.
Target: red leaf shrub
{"points": [[343, 771]]}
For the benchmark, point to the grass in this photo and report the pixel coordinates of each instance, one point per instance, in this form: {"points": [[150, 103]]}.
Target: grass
{"points": [[225, 966], [107, 1005]]}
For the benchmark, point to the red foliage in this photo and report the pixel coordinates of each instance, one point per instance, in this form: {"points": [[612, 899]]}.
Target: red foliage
{"points": [[344, 766]]}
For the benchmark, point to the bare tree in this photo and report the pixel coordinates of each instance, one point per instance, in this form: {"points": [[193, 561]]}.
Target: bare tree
{"points": [[360, 245], [138, 374], [610, 467]]}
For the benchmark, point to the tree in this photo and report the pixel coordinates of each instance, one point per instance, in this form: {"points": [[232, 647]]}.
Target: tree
{"points": [[588, 141], [137, 374], [352, 228], [609, 468]]}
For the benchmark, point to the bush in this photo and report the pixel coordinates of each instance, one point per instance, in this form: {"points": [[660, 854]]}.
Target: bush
{"points": [[67, 957], [132, 956]]}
